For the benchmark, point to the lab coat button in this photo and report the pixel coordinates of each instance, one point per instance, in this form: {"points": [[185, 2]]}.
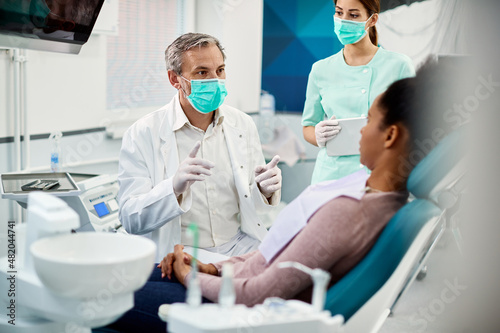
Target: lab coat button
{"points": [[258, 224], [246, 196], [241, 136], [363, 91], [241, 166], [365, 71]]}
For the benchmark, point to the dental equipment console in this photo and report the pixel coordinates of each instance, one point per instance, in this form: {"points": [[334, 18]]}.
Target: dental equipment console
{"points": [[69, 282], [275, 314], [97, 202], [93, 197]]}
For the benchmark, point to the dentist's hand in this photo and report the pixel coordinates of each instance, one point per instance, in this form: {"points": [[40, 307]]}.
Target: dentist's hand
{"points": [[326, 130], [192, 169], [268, 177]]}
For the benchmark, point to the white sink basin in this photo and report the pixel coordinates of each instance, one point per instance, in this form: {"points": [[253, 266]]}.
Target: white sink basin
{"points": [[90, 264]]}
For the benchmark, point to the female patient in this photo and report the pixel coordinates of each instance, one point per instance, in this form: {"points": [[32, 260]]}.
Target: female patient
{"points": [[334, 235]]}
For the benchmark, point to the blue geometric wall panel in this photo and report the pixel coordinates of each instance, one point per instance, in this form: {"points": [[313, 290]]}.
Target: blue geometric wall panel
{"points": [[296, 34]]}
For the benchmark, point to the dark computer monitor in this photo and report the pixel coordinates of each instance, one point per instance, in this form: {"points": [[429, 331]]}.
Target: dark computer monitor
{"points": [[47, 25]]}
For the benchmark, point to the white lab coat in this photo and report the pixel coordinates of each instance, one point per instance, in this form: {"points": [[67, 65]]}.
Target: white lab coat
{"points": [[149, 159]]}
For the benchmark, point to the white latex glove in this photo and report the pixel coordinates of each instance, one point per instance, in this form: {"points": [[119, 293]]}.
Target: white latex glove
{"points": [[192, 169], [326, 130], [268, 177]]}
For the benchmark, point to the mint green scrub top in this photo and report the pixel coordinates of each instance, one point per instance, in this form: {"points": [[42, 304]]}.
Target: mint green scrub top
{"points": [[335, 88]]}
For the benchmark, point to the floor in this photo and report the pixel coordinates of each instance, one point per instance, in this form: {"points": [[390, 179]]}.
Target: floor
{"points": [[429, 304]]}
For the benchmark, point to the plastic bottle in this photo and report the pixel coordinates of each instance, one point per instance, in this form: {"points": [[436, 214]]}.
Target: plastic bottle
{"points": [[55, 152], [267, 104], [193, 296], [227, 295], [266, 113]]}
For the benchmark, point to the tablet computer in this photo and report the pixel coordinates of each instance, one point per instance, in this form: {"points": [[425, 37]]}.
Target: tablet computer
{"points": [[347, 141]]}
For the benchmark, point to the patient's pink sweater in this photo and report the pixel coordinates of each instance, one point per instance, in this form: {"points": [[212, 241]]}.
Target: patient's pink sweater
{"points": [[335, 239]]}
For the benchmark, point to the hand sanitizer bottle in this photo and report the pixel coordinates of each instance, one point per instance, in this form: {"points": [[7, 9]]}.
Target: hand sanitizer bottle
{"points": [[266, 116], [193, 296], [55, 153]]}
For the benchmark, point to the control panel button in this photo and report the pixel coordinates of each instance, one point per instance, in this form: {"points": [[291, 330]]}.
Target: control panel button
{"points": [[113, 205]]}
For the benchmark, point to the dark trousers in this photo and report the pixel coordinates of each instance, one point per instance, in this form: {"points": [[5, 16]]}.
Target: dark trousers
{"points": [[143, 317]]}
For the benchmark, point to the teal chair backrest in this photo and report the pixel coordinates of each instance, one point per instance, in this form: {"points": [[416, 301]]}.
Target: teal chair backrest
{"points": [[369, 275], [436, 171]]}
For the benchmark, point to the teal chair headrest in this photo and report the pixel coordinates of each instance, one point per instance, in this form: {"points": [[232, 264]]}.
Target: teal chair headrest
{"points": [[438, 169], [371, 273]]}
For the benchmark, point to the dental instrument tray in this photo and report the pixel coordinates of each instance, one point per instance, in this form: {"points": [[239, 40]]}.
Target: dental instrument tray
{"points": [[18, 186], [40, 185]]}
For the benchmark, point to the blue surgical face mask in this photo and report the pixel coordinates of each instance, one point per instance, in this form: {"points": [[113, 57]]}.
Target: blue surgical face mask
{"points": [[350, 32], [207, 95]]}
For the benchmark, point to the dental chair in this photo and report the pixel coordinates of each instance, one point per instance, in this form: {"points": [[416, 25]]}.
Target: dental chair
{"points": [[439, 178], [368, 293]]}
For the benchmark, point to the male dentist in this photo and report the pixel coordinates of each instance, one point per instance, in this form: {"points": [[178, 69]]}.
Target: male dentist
{"points": [[196, 160]]}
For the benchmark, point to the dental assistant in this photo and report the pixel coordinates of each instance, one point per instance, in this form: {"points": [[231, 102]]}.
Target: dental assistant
{"points": [[345, 84], [196, 160]]}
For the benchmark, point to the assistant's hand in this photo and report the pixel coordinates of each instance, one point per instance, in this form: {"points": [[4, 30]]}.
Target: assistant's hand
{"points": [[268, 177], [326, 130], [192, 169]]}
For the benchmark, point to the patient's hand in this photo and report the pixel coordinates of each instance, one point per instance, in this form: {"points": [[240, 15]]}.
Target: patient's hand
{"points": [[203, 268], [179, 262]]}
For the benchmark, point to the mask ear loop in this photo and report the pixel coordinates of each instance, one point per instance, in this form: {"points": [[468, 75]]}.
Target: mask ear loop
{"points": [[185, 95], [366, 30], [367, 22]]}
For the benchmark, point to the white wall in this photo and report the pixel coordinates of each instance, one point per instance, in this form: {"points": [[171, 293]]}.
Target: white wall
{"points": [[238, 26], [65, 92], [6, 119]]}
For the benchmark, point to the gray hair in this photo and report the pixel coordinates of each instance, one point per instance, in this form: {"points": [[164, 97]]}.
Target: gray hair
{"points": [[183, 43]]}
